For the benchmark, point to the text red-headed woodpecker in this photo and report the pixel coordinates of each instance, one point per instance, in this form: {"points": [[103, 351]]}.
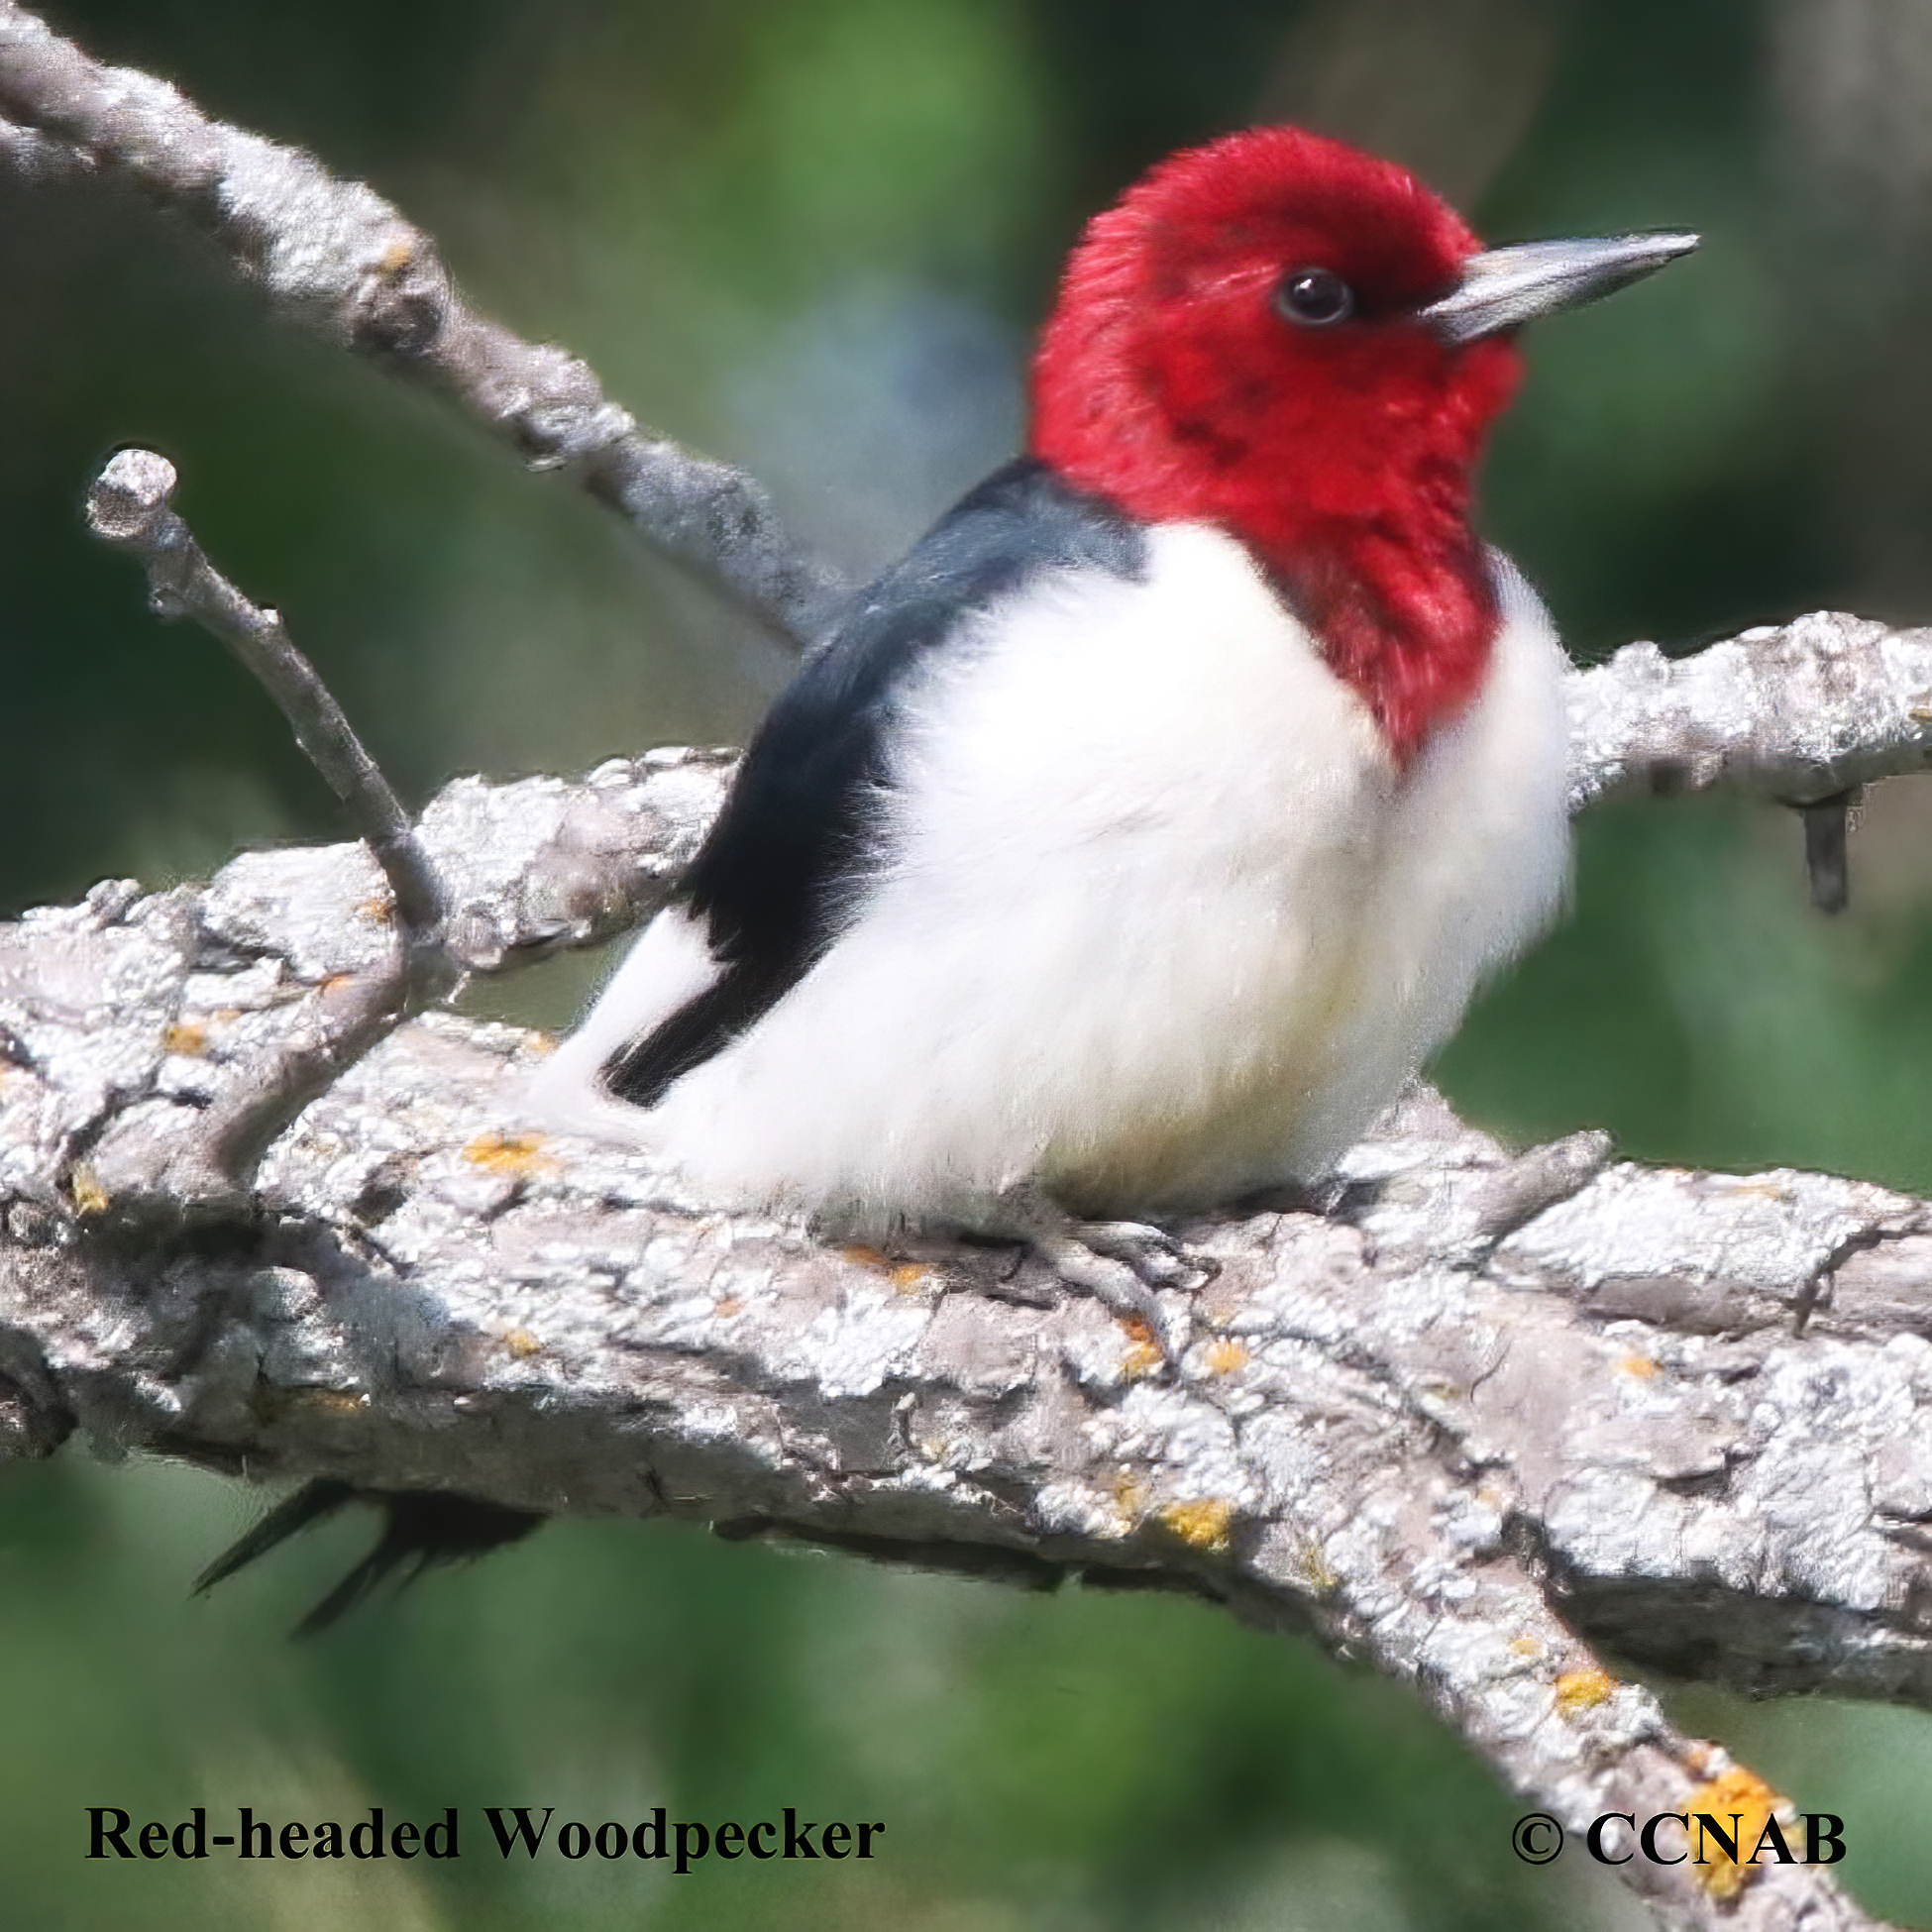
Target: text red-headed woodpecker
{"points": [[1135, 838]]}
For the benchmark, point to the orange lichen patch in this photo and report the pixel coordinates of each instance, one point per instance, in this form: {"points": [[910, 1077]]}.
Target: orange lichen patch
{"points": [[1582, 1690], [541, 1045], [1145, 1355], [730, 1307], [521, 1343], [1223, 1357], [381, 909], [1201, 1524], [905, 1277], [399, 256], [1132, 1495], [1737, 1797], [187, 1038], [519, 1155], [1525, 1647], [1641, 1366], [89, 1197]]}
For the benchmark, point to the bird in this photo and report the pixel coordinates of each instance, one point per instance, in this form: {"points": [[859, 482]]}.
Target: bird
{"points": [[1124, 849], [1129, 845]]}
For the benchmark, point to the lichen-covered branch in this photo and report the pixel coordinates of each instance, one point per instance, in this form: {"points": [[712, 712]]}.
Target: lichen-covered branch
{"points": [[1487, 1415], [335, 256], [1492, 1422], [1796, 713]]}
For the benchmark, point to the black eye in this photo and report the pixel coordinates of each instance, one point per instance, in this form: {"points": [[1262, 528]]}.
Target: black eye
{"points": [[1314, 298]]}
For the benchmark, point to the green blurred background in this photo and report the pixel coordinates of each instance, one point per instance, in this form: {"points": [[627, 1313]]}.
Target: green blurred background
{"points": [[813, 236]]}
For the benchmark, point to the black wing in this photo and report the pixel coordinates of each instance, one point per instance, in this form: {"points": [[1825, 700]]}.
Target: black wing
{"points": [[789, 853]]}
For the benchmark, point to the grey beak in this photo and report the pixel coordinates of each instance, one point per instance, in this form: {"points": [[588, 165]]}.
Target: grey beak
{"points": [[1502, 287]]}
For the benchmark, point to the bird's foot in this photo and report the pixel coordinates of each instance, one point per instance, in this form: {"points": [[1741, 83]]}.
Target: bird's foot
{"points": [[1121, 1263]]}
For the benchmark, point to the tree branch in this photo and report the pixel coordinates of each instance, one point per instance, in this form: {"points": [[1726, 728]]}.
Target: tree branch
{"points": [[1796, 713], [336, 258], [1485, 1414], [36, 158]]}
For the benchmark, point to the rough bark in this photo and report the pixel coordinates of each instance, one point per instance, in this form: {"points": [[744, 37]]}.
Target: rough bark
{"points": [[1479, 1414], [1796, 713]]}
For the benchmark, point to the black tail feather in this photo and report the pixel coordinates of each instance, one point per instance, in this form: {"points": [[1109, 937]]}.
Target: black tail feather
{"points": [[421, 1529], [309, 1504]]}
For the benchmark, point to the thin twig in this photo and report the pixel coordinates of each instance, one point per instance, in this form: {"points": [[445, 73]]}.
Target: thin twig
{"points": [[336, 257], [346, 1020], [1827, 857], [128, 507]]}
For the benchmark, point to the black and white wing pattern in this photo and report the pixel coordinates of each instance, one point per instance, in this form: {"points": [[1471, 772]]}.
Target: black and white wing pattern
{"points": [[787, 864]]}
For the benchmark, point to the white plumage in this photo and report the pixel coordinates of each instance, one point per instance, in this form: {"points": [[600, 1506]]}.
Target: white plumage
{"points": [[1161, 922]]}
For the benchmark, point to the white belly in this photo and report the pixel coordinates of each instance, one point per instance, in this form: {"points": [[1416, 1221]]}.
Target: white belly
{"points": [[1162, 924]]}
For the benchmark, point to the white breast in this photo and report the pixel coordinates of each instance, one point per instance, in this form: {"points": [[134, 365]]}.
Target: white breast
{"points": [[1162, 924]]}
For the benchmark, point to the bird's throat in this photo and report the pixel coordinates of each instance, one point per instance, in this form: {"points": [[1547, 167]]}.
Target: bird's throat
{"points": [[1408, 625]]}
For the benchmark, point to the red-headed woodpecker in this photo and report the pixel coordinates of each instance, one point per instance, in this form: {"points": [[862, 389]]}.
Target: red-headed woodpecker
{"points": [[1137, 837], [1134, 840]]}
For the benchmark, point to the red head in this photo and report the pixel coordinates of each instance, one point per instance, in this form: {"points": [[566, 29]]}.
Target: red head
{"points": [[1243, 341]]}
